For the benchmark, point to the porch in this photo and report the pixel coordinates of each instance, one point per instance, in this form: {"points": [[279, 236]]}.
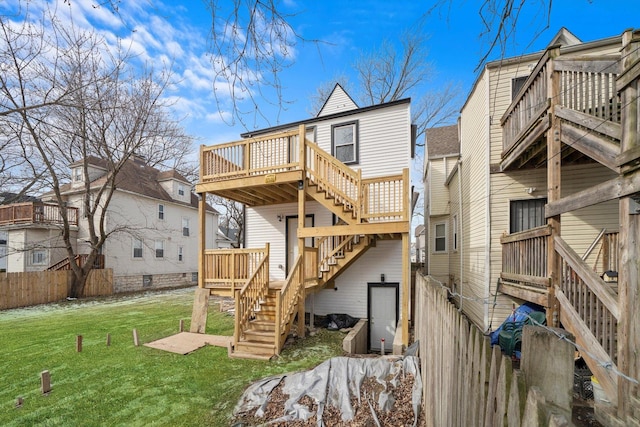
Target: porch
{"points": [[582, 110], [33, 213], [288, 168]]}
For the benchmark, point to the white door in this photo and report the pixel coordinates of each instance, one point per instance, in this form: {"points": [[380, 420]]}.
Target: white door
{"points": [[292, 239], [383, 315]]}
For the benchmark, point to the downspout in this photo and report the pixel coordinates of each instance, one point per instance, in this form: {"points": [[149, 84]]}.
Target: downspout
{"points": [[487, 163], [460, 233]]}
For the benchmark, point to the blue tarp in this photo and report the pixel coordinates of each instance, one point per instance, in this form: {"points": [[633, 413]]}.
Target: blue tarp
{"points": [[519, 315]]}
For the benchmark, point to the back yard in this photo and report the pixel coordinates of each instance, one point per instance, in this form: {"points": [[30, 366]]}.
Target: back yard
{"points": [[123, 384]]}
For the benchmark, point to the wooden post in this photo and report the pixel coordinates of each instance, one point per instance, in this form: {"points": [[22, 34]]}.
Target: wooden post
{"points": [[78, 343], [108, 340], [181, 326], [301, 222], [202, 219], [629, 259], [406, 286], [554, 157], [136, 340], [45, 382], [236, 329]]}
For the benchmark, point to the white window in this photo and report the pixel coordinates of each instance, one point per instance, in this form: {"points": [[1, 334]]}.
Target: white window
{"points": [[345, 142], [185, 226], [440, 237], [159, 248], [38, 257], [137, 248], [77, 175], [455, 232], [180, 190], [180, 253], [161, 212]]}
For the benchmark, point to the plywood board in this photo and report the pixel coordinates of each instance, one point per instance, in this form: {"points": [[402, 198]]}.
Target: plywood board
{"points": [[186, 342], [199, 315]]}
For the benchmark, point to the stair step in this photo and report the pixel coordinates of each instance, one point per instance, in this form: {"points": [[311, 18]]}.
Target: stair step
{"points": [[255, 347], [255, 335], [247, 355], [262, 325]]}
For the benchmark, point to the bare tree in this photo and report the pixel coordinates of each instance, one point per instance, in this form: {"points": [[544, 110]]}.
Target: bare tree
{"points": [[231, 216], [65, 96]]}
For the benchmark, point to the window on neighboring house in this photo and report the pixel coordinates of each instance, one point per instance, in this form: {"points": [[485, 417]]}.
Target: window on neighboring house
{"points": [[159, 248], [345, 142], [516, 85], [161, 212], [526, 214], [440, 237], [137, 248], [87, 204], [185, 226], [77, 174], [180, 253], [180, 190], [194, 276], [455, 232], [38, 257]]}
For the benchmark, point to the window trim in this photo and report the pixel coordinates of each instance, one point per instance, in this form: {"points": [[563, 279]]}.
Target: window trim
{"points": [[161, 248], [436, 237], [160, 211], [44, 257], [181, 190], [78, 176], [356, 141], [134, 240]]}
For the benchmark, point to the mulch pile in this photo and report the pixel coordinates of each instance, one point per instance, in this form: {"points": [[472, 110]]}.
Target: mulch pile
{"points": [[401, 414]]}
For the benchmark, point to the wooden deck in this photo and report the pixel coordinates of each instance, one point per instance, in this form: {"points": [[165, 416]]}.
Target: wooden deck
{"points": [[287, 168], [44, 214]]}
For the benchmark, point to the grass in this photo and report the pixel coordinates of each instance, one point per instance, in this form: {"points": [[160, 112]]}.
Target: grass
{"points": [[123, 384]]}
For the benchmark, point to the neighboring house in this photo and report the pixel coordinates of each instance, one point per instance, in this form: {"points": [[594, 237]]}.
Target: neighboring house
{"points": [[7, 198], [222, 241], [327, 209], [530, 209], [152, 219]]}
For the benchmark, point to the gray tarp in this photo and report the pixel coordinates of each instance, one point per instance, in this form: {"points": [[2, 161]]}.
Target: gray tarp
{"points": [[334, 382]]}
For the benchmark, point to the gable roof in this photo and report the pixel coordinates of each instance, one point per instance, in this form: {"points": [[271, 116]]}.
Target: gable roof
{"points": [[313, 120], [338, 100], [442, 141], [139, 178], [564, 37]]}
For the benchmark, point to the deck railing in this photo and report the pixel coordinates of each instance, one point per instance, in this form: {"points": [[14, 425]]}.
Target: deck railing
{"points": [[36, 213], [610, 251], [231, 268], [247, 299], [383, 198], [254, 156], [287, 301], [524, 257], [585, 85], [338, 180]]}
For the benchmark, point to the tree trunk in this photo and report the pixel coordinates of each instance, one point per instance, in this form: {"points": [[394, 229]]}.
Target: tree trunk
{"points": [[79, 281]]}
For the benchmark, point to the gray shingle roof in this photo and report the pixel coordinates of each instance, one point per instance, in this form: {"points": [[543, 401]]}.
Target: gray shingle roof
{"points": [[443, 141]]}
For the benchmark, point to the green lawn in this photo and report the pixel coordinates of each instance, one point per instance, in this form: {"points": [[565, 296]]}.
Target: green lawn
{"points": [[123, 384]]}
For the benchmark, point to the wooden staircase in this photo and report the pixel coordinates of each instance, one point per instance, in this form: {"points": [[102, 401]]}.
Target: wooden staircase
{"points": [[258, 340]]}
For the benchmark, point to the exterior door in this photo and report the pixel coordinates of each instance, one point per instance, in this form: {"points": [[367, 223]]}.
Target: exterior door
{"points": [[383, 314], [292, 238]]}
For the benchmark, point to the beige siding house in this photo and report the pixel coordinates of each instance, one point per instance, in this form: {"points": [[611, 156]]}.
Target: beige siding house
{"points": [[542, 203], [152, 222]]}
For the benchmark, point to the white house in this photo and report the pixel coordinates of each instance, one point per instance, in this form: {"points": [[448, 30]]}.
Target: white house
{"points": [[152, 222], [336, 186]]}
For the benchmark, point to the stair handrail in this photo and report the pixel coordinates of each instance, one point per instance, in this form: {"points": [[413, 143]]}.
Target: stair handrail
{"points": [[247, 299], [287, 301], [339, 180], [325, 255]]}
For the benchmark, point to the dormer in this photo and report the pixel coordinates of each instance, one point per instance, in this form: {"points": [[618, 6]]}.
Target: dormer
{"points": [[175, 185], [95, 169]]}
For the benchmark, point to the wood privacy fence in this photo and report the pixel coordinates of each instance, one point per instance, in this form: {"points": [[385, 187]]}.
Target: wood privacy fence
{"points": [[41, 287], [468, 383]]}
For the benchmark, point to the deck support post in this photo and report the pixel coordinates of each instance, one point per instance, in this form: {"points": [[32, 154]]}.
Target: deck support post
{"points": [[629, 239], [301, 220], [406, 286], [202, 223], [554, 165]]}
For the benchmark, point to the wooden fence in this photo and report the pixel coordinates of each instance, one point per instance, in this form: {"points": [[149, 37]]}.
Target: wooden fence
{"points": [[466, 382], [41, 287]]}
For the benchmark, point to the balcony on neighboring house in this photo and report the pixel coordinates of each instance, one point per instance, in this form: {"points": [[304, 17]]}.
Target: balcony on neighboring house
{"points": [[32, 213]]}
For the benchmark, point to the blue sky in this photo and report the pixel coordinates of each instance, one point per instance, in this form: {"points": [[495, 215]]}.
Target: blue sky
{"points": [[178, 32]]}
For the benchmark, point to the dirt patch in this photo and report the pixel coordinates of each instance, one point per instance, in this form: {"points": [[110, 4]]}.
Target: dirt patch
{"points": [[366, 411]]}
